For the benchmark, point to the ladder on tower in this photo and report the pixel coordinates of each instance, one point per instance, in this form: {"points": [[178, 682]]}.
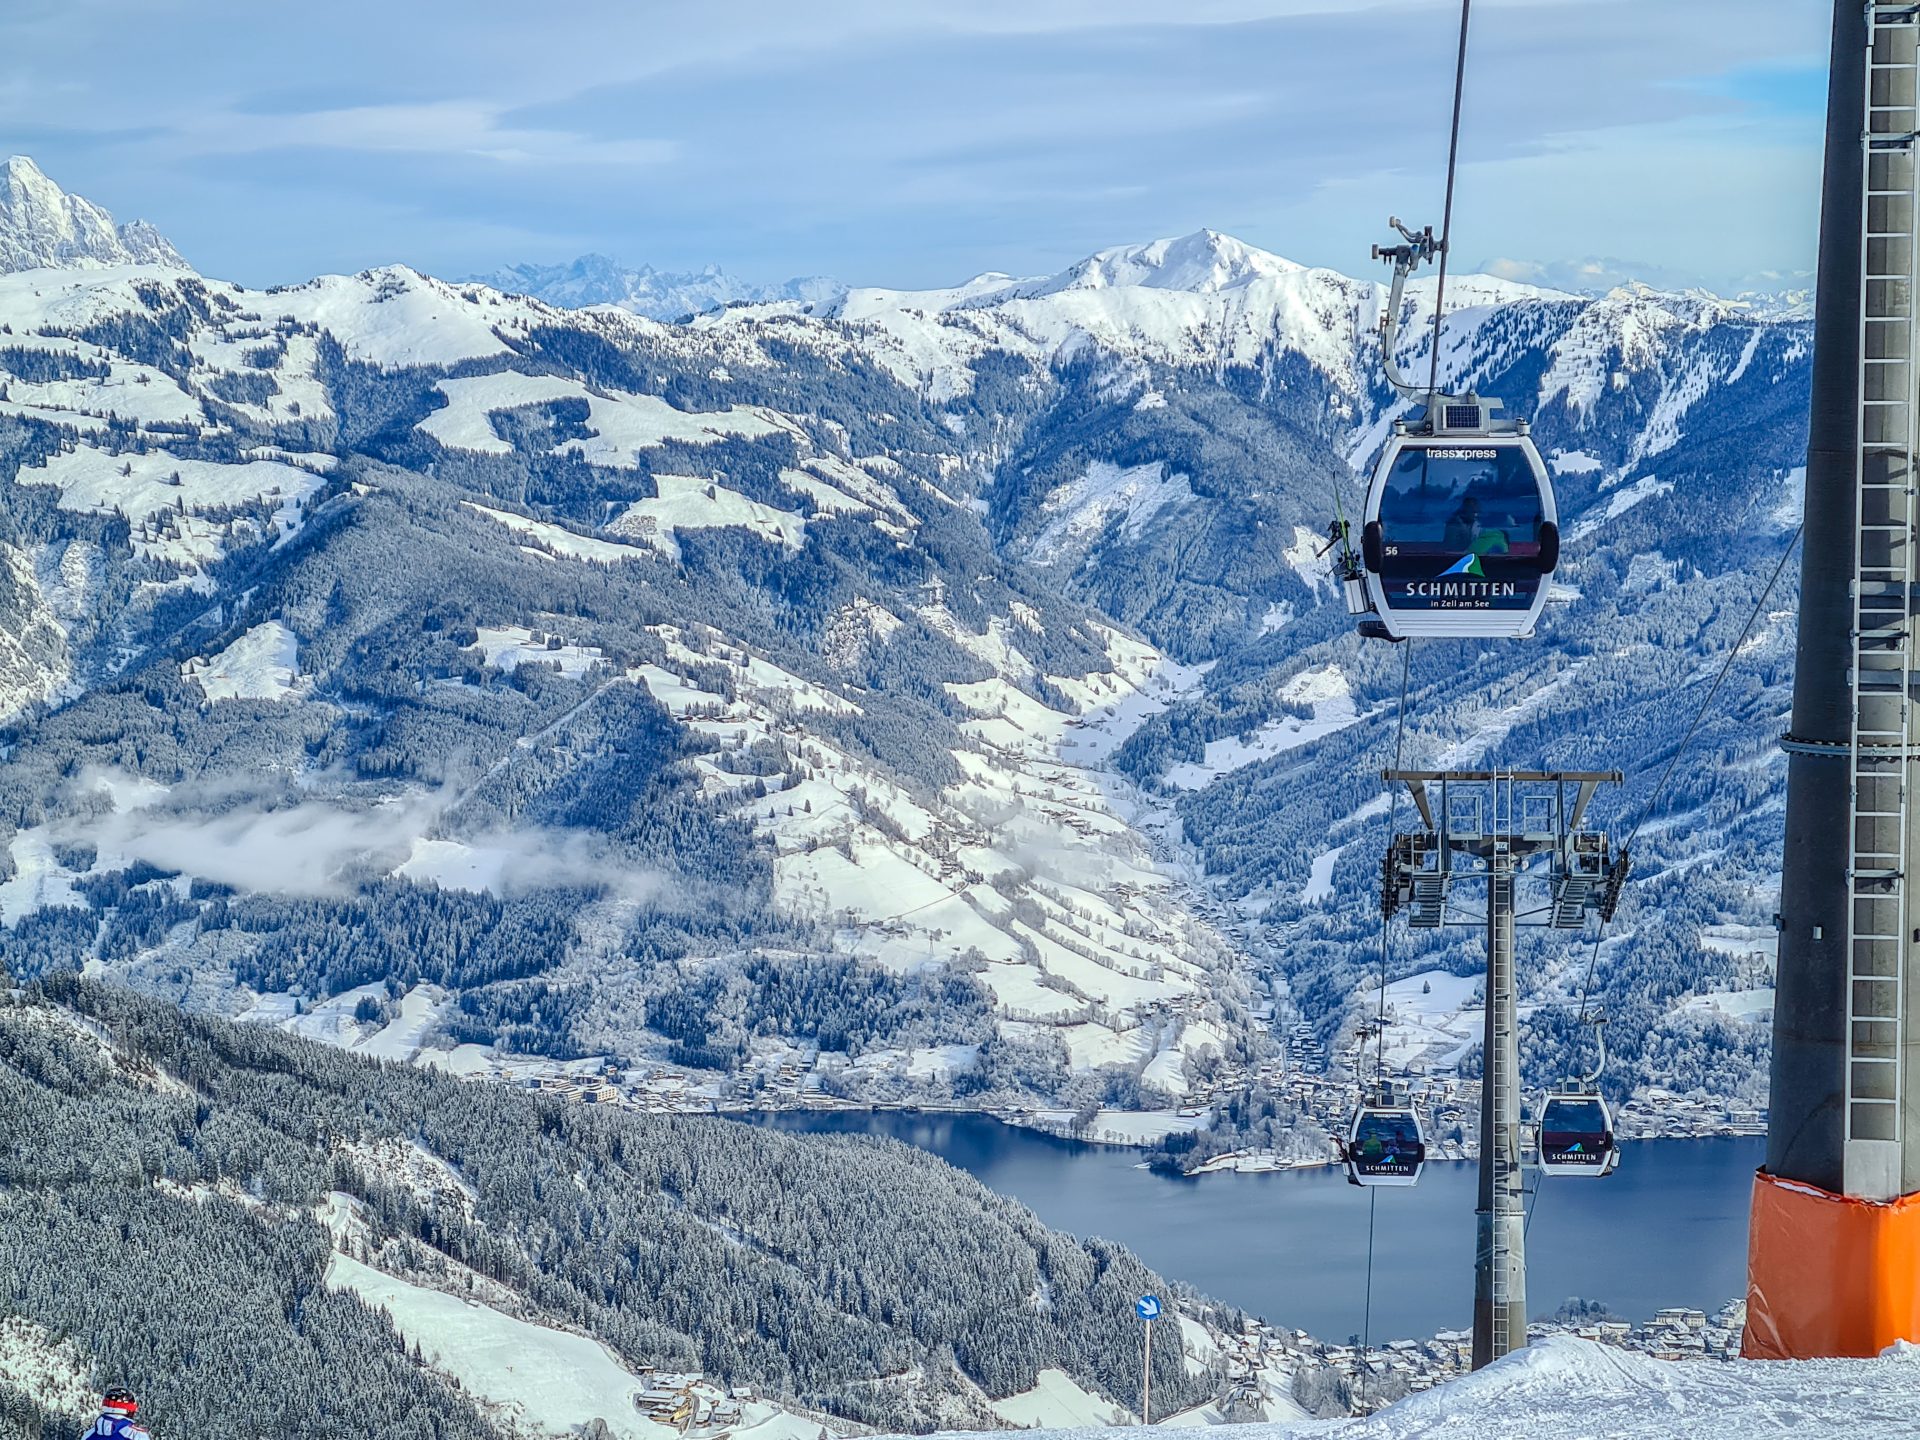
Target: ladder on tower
{"points": [[1495, 1069], [1881, 707]]}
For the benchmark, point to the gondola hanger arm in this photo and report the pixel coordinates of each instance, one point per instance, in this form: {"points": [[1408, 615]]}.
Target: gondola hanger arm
{"points": [[1421, 247]]}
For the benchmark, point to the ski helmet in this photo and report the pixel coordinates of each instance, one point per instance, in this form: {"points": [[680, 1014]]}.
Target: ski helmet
{"points": [[120, 1401]]}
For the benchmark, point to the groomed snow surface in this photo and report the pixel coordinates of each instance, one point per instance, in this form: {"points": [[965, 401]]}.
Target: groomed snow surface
{"points": [[1562, 1388], [549, 1380], [1056, 1399], [262, 664]]}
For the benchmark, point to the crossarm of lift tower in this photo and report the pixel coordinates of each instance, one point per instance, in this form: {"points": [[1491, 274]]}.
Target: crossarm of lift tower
{"points": [[1417, 781]]}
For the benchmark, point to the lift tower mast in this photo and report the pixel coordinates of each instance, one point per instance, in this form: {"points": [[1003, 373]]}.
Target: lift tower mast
{"points": [[1834, 1252], [1500, 827]]}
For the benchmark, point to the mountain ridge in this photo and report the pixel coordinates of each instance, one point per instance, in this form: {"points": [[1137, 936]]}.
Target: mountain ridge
{"points": [[659, 295], [42, 225], [961, 686]]}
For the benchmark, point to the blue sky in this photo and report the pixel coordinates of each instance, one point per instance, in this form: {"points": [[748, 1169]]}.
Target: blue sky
{"points": [[916, 142]]}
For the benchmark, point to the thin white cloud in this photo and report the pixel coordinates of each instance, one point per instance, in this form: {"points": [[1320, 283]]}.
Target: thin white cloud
{"points": [[262, 844], [470, 128], [883, 142]]}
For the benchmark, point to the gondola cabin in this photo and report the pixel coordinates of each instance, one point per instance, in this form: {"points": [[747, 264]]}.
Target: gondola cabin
{"points": [[1385, 1146], [1576, 1136], [1460, 535]]}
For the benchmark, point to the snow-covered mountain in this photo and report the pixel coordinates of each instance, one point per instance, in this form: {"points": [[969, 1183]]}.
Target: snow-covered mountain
{"points": [[930, 692], [657, 294], [1201, 301], [40, 224], [1199, 423], [907, 769]]}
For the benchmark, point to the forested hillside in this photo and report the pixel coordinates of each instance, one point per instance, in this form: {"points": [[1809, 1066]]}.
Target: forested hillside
{"points": [[377, 639], [1211, 407], [189, 1206], [935, 694]]}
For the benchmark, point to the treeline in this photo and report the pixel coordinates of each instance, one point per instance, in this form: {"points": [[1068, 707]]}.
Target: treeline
{"points": [[833, 1001], [807, 1266]]}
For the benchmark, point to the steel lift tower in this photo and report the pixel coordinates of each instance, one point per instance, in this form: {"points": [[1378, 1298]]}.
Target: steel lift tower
{"points": [[1500, 828], [1834, 1251]]}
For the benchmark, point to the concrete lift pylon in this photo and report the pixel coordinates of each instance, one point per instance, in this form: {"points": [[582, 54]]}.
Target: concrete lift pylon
{"points": [[1492, 826]]}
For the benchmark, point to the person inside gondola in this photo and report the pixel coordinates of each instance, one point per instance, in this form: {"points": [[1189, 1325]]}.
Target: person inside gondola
{"points": [[1388, 1141], [1463, 526]]}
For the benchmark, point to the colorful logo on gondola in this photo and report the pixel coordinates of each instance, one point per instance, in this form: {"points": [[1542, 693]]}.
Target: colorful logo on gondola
{"points": [[1463, 585]]}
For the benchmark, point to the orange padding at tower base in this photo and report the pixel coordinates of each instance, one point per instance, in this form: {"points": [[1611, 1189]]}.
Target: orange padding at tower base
{"points": [[1828, 1274]]}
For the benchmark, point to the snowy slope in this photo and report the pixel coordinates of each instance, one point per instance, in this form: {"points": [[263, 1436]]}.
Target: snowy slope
{"points": [[50, 1368], [34, 663], [1034, 862], [547, 1380], [1580, 1390], [623, 424], [262, 664]]}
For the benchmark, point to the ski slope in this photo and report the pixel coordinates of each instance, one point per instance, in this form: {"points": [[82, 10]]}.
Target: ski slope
{"points": [[1571, 1389], [1055, 1397], [548, 1380]]}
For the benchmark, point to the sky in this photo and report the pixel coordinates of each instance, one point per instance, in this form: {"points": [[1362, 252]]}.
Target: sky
{"points": [[918, 142]]}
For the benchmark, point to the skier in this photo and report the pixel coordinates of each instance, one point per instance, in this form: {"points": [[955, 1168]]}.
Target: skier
{"points": [[117, 1409]]}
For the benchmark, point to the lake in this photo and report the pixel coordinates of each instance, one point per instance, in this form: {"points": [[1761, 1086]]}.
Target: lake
{"points": [[1668, 1228]]}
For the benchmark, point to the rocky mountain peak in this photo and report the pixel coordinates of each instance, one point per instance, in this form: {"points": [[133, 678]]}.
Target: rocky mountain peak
{"points": [[41, 225]]}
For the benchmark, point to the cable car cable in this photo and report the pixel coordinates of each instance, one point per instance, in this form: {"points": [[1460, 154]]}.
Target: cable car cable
{"points": [[1699, 716], [1380, 1052], [1484, 569], [1700, 713], [1393, 806], [1366, 1313], [1446, 212], [1406, 655]]}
